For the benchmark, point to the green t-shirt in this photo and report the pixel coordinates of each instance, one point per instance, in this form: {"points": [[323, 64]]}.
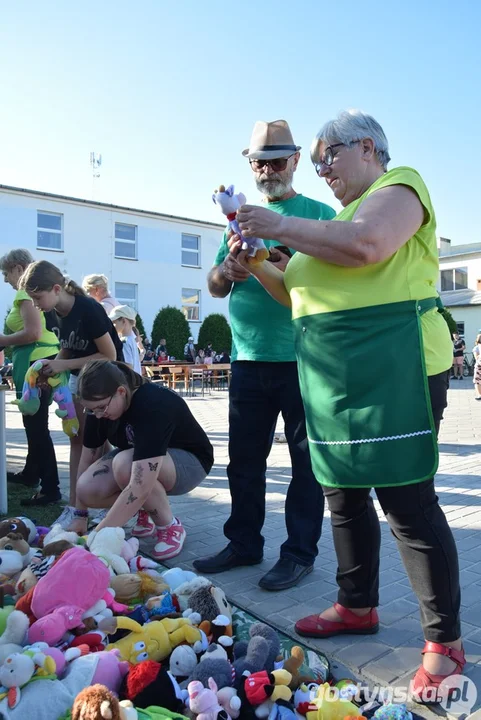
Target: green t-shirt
{"points": [[262, 328], [14, 323], [411, 273]]}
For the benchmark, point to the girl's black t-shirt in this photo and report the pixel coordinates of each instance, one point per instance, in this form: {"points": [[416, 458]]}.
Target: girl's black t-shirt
{"points": [[156, 420], [86, 322]]}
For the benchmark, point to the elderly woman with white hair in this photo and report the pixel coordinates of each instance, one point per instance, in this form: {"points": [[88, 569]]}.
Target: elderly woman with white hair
{"points": [[97, 286], [362, 288]]}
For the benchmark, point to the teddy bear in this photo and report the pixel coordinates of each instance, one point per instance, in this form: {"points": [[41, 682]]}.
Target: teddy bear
{"points": [[107, 544], [19, 668], [229, 203], [96, 702], [16, 541], [14, 635]]}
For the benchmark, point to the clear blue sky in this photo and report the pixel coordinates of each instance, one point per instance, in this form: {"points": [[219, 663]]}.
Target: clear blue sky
{"points": [[168, 92]]}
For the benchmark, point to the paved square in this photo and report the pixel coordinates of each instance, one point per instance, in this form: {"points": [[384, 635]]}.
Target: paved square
{"points": [[394, 654]]}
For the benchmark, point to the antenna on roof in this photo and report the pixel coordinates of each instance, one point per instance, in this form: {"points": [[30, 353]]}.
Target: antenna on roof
{"points": [[95, 163]]}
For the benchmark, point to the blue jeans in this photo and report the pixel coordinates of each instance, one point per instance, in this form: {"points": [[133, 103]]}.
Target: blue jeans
{"points": [[259, 391]]}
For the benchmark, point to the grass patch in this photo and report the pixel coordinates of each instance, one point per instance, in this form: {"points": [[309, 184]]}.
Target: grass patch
{"points": [[39, 515]]}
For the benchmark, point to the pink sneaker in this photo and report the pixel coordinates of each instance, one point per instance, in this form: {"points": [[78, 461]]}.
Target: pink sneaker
{"points": [[170, 541], [145, 526]]}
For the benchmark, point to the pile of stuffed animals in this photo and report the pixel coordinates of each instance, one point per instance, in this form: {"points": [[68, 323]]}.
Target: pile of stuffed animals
{"points": [[90, 629]]}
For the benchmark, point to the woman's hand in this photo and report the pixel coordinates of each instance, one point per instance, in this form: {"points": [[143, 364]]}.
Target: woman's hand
{"points": [[52, 367], [239, 257], [259, 222], [79, 525]]}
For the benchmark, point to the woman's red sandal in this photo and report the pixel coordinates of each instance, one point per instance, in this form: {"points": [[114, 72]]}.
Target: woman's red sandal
{"points": [[427, 688], [351, 624]]}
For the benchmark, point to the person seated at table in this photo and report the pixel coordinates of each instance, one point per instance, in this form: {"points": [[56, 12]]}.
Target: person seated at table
{"points": [[161, 350], [160, 450], [223, 359], [200, 359]]}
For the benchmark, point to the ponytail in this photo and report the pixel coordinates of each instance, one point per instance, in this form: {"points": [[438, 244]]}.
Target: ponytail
{"points": [[42, 275], [73, 289], [100, 379]]}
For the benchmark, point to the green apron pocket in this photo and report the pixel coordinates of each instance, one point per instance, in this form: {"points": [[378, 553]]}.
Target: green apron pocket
{"points": [[366, 395]]}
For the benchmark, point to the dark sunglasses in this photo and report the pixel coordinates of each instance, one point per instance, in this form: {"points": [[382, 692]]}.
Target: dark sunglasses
{"points": [[277, 164]]}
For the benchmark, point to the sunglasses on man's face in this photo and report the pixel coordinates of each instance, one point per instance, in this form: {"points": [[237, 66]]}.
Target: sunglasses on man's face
{"points": [[277, 164]]}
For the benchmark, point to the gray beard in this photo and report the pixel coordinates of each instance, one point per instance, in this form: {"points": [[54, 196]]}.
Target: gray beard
{"points": [[274, 187]]}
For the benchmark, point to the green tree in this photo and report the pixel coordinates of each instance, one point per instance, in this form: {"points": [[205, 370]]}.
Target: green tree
{"points": [[215, 329], [140, 325], [170, 323], [450, 321]]}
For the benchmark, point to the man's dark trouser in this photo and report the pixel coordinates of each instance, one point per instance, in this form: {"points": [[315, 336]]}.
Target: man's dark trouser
{"points": [[259, 391]]}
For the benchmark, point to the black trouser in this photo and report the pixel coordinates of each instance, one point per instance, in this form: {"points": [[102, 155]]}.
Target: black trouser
{"points": [[41, 462], [259, 391], [424, 539]]}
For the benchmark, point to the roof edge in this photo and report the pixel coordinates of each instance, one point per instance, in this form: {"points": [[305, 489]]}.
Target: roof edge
{"points": [[110, 206]]}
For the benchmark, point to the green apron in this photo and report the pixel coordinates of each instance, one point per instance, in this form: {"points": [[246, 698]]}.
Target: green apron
{"points": [[366, 396], [21, 362]]}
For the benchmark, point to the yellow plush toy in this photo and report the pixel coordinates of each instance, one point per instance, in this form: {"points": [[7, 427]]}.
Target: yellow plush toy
{"points": [[154, 640], [324, 707]]}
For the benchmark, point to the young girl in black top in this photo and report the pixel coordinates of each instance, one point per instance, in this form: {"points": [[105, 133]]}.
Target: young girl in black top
{"points": [[160, 450], [84, 332]]}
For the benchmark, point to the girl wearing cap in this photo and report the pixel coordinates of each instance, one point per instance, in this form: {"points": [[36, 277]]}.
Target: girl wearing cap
{"points": [[123, 318], [160, 450], [84, 332]]}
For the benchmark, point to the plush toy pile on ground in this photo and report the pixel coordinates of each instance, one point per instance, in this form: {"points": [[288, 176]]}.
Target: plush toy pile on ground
{"points": [[90, 629]]}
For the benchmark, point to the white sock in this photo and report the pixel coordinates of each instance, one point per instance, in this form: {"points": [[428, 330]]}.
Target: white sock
{"points": [[164, 527]]}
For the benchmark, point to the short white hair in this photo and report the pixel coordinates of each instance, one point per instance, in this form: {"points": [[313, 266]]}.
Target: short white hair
{"points": [[91, 282], [349, 126]]}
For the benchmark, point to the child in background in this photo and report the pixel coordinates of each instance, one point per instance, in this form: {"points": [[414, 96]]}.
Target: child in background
{"points": [[123, 317], [84, 332]]}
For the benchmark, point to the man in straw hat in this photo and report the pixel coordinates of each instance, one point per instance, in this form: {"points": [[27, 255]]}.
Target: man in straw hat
{"points": [[265, 383]]}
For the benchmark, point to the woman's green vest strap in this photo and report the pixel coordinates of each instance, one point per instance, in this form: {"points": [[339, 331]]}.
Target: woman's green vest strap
{"points": [[21, 362], [366, 395]]}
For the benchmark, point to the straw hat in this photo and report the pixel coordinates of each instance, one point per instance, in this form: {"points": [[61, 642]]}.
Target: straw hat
{"points": [[271, 140]]}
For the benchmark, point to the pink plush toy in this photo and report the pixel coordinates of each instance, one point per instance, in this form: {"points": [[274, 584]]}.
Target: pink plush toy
{"points": [[203, 702], [77, 582]]}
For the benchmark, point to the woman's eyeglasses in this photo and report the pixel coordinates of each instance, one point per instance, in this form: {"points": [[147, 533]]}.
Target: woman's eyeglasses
{"points": [[328, 156], [277, 164], [99, 410]]}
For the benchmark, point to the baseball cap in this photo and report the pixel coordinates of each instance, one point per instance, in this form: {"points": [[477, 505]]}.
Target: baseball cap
{"points": [[123, 311]]}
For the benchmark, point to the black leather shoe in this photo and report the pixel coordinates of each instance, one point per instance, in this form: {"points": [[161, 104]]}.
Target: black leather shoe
{"points": [[226, 559], [20, 479], [285, 574]]}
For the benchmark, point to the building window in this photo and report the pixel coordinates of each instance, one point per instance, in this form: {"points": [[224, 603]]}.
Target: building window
{"points": [[454, 279], [191, 304], [191, 250], [49, 231], [126, 241], [126, 294], [460, 328]]}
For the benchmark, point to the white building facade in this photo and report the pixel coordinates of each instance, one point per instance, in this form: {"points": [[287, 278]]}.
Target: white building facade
{"points": [[460, 286], [150, 259]]}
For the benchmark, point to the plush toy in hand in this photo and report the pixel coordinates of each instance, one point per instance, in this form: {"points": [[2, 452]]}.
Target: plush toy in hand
{"points": [[229, 204], [29, 403]]}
